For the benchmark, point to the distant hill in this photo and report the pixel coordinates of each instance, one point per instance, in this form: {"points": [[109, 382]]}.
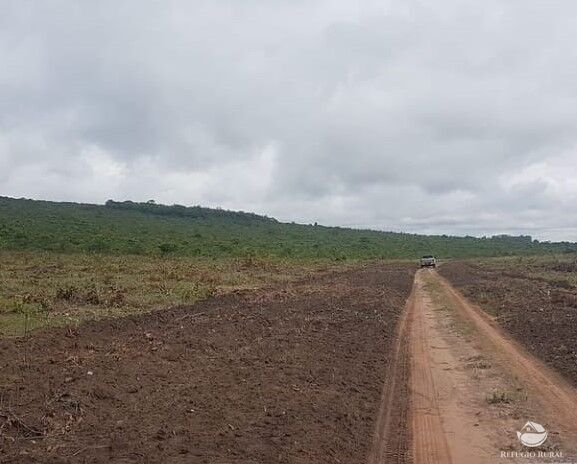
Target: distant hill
{"points": [[147, 228]]}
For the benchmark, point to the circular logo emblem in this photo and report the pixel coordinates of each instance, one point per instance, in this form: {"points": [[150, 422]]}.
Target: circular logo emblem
{"points": [[532, 434]]}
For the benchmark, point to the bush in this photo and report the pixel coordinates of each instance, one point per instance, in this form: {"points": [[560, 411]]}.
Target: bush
{"points": [[167, 248]]}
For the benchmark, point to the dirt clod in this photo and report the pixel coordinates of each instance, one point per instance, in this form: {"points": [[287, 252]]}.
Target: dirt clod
{"points": [[290, 374]]}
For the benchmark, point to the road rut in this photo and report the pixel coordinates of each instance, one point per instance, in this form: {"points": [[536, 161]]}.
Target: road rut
{"points": [[470, 386]]}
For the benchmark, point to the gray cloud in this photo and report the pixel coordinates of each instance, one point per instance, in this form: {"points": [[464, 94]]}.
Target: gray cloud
{"points": [[457, 118]]}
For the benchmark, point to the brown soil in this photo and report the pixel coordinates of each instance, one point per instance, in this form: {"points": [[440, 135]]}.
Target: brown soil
{"points": [[290, 375], [539, 314], [430, 444], [550, 397], [452, 376], [392, 435]]}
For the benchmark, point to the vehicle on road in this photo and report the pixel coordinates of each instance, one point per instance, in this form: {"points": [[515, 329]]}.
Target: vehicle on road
{"points": [[428, 261]]}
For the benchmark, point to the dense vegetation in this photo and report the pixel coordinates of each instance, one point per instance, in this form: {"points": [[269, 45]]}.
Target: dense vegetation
{"points": [[151, 229]]}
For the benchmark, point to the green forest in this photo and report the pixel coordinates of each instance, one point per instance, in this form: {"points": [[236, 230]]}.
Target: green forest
{"points": [[152, 229]]}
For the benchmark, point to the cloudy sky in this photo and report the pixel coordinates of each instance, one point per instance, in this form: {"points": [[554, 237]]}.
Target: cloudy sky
{"points": [[446, 116]]}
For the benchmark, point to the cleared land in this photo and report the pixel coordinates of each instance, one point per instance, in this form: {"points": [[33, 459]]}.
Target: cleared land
{"points": [[356, 363], [290, 373], [533, 299]]}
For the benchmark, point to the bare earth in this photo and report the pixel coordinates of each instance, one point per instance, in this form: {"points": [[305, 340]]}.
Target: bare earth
{"points": [[472, 387], [363, 366], [289, 374]]}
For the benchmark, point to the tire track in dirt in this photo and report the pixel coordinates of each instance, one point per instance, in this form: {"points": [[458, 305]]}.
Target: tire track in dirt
{"points": [[409, 395], [392, 436], [451, 417], [555, 397], [452, 420], [429, 440]]}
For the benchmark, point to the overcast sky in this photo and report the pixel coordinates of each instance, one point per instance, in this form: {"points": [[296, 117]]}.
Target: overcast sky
{"points": [[446, 116]]}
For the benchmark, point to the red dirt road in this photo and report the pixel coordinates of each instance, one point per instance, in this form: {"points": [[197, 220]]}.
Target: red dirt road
{"points": [[540, 313], [554, 398], [464, 414]]}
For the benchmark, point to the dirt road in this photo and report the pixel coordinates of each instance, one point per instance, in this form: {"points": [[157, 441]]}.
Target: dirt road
{"points": [[472, 387], [364, 365]]}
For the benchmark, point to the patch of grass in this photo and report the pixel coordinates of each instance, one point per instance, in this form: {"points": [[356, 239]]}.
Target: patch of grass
{"points": [[478, 362], [443, 302], [500, 397], [42, 289], [559, 270]]}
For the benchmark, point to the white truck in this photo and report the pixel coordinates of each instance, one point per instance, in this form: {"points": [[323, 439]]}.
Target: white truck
{"points": [[428, 261]]}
